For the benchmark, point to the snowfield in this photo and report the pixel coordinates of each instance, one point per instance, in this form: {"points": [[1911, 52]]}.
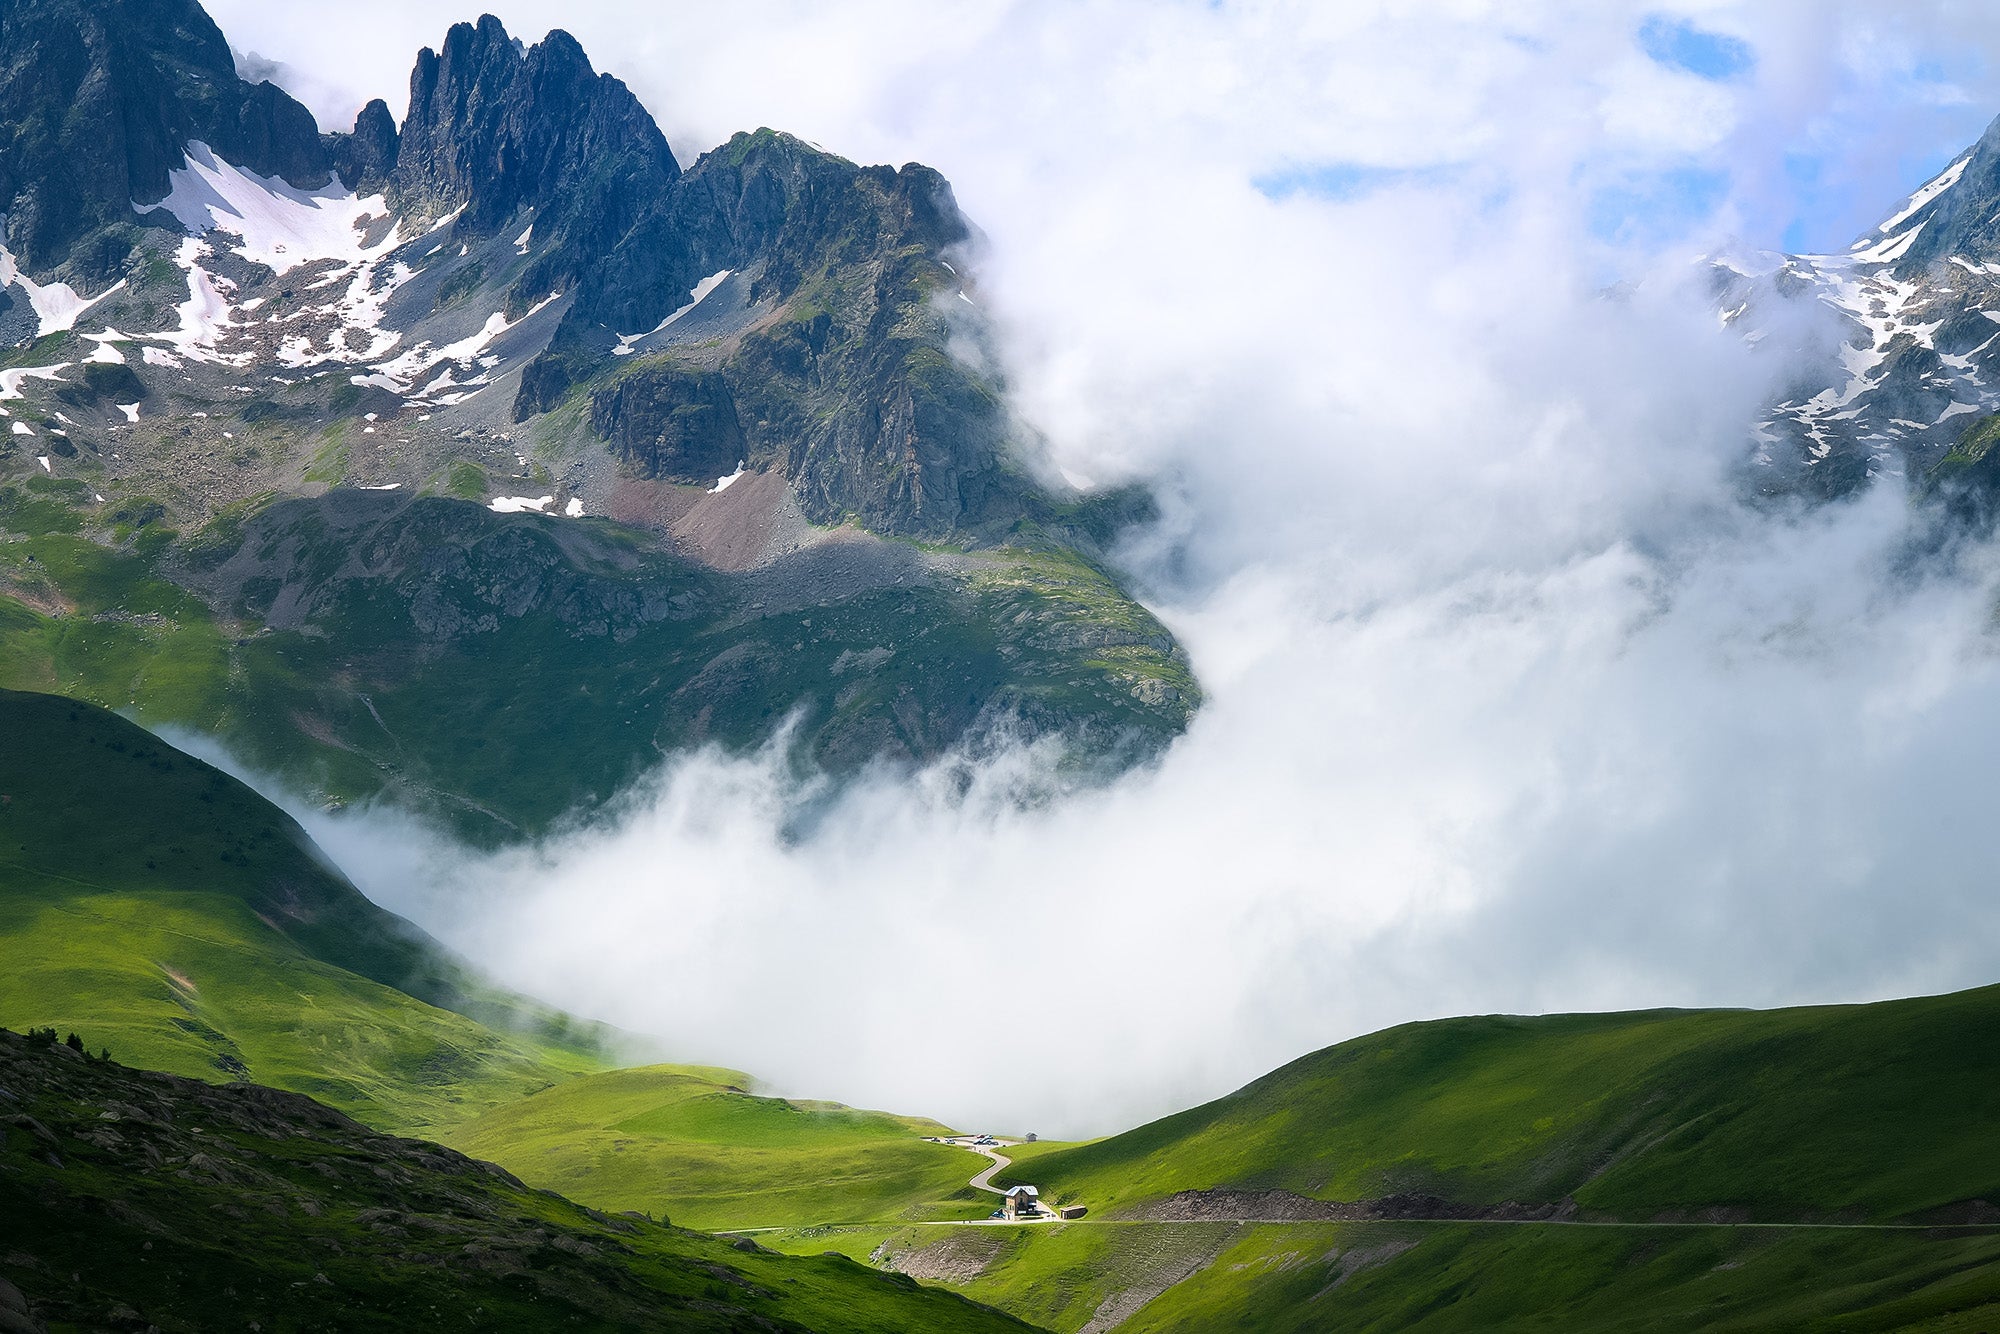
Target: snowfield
{"points": [[280, 225], [56, 306]]}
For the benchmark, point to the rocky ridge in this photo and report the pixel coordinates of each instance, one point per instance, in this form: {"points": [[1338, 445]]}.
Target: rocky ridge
{"points": [[527, 239], [1897, 340], [518, 307]]}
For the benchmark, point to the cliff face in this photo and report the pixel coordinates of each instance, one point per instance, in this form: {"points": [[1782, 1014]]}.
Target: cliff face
{"points": [[671, 423], [848, 379], [506, 133], [98, 101]]}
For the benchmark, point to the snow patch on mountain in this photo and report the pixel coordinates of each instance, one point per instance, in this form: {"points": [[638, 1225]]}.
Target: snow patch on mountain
{"points": [[205, 317], [1890, 249], [106, 350], [627, 342], [399, 375], [57, 306], [1938, 184], [10, 380], [279, 225], [521, 504]]}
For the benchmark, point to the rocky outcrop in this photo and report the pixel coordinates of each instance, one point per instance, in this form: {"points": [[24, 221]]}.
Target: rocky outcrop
{"points": [[366, 157], [854, 387], [859, 391], [533, 135], [671, 422], [803, 211], [98, 100]]}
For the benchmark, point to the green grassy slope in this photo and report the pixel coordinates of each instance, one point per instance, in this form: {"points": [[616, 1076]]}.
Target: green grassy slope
{"points": [[693, 1143], [130, 1200], [169, 911], [1302, 1278], [500, 671], [93, 800], [1872, 1112]]}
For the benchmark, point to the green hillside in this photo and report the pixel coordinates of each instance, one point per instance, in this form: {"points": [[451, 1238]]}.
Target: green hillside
{"points": [[1447, 1278], [499, 671], [1821, 1168], [1828, 1168], [695, 1144], [1856, 1113], [134, 1200], [1471, 1278], [178, 918], [164, 908]]}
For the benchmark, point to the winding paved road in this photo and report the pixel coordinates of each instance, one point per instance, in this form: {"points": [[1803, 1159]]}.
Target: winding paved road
{"points": [[984, 1181]]}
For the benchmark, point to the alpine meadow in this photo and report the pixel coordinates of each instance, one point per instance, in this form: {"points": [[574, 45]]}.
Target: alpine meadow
{"points": [[1162, 667]]}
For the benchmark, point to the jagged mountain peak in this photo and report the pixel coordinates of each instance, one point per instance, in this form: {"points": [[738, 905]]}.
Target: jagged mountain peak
{"points": [[513, 344], [526, 237], [1896, 341], [100, 98], [495, 126]]}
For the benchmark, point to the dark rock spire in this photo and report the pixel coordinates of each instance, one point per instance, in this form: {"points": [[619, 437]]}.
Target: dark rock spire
{"points": [[497, 129], [366, 158]]}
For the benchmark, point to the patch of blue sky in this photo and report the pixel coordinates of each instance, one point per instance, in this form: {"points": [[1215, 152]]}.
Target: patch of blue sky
{"points": [[1343, 181], [1830, 206], [1678, 44], [1657, 207]]}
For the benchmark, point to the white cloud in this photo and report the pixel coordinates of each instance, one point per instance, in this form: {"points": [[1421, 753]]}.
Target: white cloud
{"points": [[1513, 706]]}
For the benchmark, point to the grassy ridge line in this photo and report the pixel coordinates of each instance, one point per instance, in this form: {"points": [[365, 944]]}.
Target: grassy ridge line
{"points": [[198, 985], [1865, 1112], [696, 1144], [98, 803], [95, 801], [179, 918]]}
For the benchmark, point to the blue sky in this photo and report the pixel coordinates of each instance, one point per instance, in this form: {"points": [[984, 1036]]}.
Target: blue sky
{"points": [[1818, 200], [1813, 195], [1679, 44]]}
